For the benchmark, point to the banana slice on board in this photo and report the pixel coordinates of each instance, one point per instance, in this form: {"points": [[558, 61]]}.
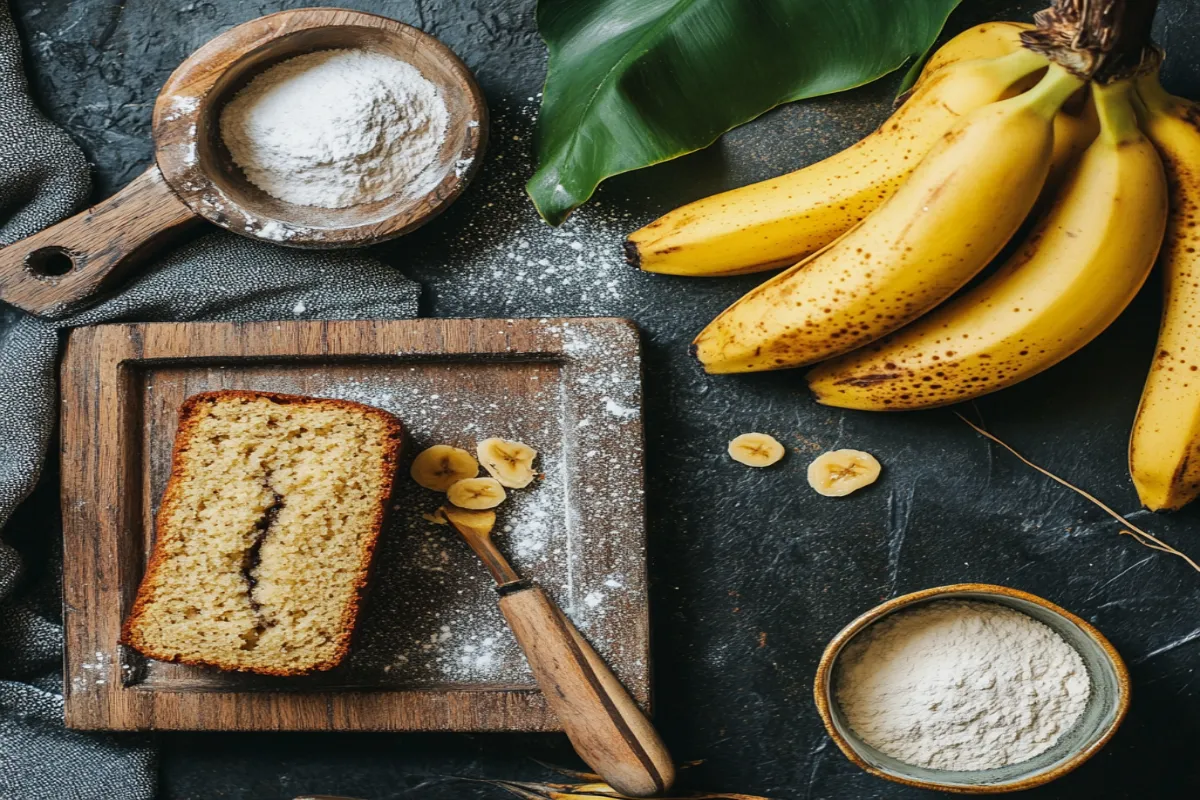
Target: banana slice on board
{"points": [[481, 522], [840, 472], [476, 493], [441, 466], [755, 449], [511, 463]]}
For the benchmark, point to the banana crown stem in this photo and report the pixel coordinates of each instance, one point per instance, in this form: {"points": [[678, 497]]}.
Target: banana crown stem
{"points": [[1118, 122], [1050, 92]]}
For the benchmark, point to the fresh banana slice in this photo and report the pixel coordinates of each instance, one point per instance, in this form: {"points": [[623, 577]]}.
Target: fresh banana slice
{"points": [[840, 472], [755, 449], [441, 466], [511, 463], [481, 522], [476, 493]]}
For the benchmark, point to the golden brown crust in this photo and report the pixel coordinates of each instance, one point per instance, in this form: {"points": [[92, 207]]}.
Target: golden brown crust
{"points": [[189, 413]]}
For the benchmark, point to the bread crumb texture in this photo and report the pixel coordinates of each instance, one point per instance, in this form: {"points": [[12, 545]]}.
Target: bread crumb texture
{"points": [[265, 532]]}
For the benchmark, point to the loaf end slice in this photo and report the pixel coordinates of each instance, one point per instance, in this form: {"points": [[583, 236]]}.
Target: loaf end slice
{"points": [[266, 531]]}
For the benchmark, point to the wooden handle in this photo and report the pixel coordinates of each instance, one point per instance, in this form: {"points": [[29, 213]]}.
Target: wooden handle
{"points": [[476, 528], [59, 268], [606, 727]]}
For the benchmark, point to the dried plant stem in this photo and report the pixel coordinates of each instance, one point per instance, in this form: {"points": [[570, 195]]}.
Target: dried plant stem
{"points": [[1139, 535], [592, 788], [1101, 40]]}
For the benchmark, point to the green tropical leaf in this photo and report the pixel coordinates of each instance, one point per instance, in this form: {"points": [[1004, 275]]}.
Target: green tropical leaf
{"points": [[631, 83]]}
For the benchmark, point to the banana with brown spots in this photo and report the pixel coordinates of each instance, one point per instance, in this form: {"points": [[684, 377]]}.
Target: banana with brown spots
{"points": [[966, 198], [1164, 450], [1075, 273], [777, 222]]}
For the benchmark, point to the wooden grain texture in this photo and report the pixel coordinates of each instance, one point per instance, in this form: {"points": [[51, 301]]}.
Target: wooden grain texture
{"points": [[95, 247], [607, 729], [194, 174], [578, 383]]}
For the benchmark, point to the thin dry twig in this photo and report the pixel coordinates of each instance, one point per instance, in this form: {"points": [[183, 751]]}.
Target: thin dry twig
{"points": [[1140, 536], [592, 787]]}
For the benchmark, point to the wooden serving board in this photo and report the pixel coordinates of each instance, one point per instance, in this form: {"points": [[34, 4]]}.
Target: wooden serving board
{"points": [[432, 651]]}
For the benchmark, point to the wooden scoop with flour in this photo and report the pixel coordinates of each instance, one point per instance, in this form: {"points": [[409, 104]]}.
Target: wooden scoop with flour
{"points": [[193, 176], [604, 724]]}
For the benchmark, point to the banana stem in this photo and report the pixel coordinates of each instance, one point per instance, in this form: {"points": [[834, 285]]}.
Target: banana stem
{"points": [[1051, 91], [1101, 41], [1118, 122], [1019, 62], [1152, 94]]}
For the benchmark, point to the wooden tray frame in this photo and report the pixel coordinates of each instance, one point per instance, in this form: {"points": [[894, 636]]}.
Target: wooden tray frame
{"points": [[102, 500]]}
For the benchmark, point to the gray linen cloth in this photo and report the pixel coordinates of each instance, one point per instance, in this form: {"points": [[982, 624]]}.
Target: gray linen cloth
{"points": [[44, 178]]}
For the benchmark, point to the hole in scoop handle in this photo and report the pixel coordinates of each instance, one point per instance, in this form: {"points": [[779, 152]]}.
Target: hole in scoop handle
{"points": [[604, 724], [65, 265]]}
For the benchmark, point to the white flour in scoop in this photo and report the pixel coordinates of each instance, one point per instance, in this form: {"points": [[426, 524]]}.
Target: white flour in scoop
{"points": [[338, 128]]}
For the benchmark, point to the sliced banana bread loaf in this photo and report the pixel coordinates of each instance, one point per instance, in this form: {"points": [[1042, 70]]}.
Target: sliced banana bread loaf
{"points": [[265, 532]]}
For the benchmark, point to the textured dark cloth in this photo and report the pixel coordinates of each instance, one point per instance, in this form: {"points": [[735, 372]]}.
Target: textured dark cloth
{"points": [[43, 178]]}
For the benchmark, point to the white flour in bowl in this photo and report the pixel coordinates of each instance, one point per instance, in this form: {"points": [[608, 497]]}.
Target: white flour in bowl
{"points": [[961, 685], [337, 128]]}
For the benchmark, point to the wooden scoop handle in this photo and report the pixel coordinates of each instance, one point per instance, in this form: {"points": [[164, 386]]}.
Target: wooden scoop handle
{"points": [[605, 725], [56, 270]]}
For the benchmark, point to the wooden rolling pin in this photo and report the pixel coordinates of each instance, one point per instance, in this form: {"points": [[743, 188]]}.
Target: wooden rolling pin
{"points": [[604, 724]]}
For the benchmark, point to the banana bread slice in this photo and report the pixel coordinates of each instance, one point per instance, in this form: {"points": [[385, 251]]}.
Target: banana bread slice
{"points": [[265, 532]]}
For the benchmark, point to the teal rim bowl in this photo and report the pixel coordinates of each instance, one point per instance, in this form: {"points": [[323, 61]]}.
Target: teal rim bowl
{"points": [[1106, 707]]}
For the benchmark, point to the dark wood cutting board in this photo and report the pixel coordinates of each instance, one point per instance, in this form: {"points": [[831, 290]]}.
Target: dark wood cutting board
{"points": [[432, 651]]}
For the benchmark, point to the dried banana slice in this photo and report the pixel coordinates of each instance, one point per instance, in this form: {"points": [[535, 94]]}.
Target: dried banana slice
{"points": [[755, 449], [481, 522], [840, 472], [476, 493], [437, 517], [511, 463], [441, 466]]}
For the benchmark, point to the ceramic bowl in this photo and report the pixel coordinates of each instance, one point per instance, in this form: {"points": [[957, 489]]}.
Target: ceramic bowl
{"points": [[1105, 709]]}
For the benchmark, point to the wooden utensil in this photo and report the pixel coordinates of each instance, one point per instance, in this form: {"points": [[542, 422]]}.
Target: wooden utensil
{"points": [[194, 178], [605, 726]]}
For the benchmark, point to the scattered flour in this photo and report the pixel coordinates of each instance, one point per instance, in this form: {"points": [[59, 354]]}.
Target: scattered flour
{"points": [[618, 410], [337, 128], [433, 617], [507, 262]]}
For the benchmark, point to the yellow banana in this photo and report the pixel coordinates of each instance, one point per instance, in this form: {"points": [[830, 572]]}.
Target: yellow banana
{"points": [[987, 40], [1075, 273], [776, 222], [967, 197], [1075, 128], [1164, 450]]}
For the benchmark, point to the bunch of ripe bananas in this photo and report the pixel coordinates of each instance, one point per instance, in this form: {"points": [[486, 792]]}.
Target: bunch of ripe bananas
{"points": [[993, 144]]}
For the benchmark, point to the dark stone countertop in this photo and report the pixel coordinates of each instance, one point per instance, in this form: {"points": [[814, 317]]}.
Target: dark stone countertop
{"points": [[751, 572]]}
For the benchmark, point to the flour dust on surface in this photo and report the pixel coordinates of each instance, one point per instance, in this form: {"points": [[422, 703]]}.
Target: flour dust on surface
{"points": [[435, 617], [430, 616], [506, 261]]}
